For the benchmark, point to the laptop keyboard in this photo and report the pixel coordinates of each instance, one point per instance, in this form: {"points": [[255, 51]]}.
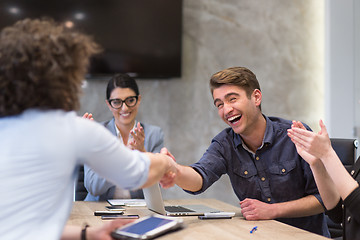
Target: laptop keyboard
{"points": [[177, 209]]}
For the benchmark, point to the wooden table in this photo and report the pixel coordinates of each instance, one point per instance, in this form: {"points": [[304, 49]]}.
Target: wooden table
{"points": [[235, 228]]}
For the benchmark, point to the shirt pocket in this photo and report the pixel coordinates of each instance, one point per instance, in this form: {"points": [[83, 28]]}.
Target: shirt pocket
{"points": [[282, 168], [285, 180], [244, 181], [245, 172]]}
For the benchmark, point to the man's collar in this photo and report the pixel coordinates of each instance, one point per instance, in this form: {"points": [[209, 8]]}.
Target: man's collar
{"points": [[268, 136]]}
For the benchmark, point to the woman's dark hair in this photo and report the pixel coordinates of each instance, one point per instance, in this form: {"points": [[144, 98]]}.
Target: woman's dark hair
{"points": [[42, 65], [121, 80]]}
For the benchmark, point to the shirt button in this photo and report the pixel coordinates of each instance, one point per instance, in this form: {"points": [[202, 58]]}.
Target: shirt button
{"points": [[342, 206], [349, 218], [269, 199], [257, 158], [262, 179], [283, 170], [246, 172], [352, 172]]}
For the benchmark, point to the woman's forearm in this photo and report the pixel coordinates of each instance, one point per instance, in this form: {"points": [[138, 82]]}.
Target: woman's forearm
{"points": [[325, 184], [342, 180]]}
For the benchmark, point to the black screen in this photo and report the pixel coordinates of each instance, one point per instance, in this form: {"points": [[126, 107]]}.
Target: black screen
{"points": [[139, 37]]}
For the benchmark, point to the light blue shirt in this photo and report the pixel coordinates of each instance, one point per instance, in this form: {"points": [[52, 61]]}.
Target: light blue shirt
{"points": [[39, 153]]}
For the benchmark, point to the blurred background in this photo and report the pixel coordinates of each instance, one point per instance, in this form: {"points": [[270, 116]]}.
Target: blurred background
{"points": [[305, 54]]}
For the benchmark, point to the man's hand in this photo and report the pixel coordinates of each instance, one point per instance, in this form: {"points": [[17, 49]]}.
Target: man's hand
{"points": [[253, 209], [166, 152]]}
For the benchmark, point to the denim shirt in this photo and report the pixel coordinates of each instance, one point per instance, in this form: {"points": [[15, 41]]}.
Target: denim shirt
{"points": [[274, 173]]}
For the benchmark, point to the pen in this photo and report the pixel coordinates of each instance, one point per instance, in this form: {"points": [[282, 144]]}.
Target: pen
{"points": [[253, 229]]}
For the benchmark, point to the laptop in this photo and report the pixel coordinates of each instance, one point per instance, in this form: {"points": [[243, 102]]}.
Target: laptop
{"points": [[155, 203]]}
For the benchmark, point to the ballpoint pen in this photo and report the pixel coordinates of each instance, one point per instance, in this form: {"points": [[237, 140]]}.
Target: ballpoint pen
{"points": [[253, 229]]}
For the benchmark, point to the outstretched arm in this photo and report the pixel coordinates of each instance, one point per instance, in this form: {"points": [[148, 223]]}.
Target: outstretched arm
{"points": [[331, 177], [94, 183]]}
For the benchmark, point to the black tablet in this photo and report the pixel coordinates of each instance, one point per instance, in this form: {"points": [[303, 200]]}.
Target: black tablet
{"points": [[148, 227]]}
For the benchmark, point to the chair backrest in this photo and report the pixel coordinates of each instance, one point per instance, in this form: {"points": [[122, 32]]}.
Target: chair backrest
{"points": [[345, 148], [80, 190]]}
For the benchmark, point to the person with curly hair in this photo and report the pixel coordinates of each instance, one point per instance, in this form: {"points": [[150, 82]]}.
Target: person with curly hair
{"points": [[42, 66]]}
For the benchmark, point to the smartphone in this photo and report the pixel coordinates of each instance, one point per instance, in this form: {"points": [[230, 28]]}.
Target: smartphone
{"points": [[112, 208], [101, 213], [108, 217]]}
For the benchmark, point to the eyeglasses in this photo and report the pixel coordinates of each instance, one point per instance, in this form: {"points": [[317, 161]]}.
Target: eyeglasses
{"points": [[118, 103]]}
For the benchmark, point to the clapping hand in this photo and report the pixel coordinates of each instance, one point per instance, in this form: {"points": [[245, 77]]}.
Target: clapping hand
{"points": [[88, 116], [137, 138]]}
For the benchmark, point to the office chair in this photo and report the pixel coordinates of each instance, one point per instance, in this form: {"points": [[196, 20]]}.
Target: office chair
{"points": [[80, 190], [346, 150]]}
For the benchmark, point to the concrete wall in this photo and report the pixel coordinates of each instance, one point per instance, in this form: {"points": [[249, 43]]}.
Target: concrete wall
{"points": [[281, 41]]}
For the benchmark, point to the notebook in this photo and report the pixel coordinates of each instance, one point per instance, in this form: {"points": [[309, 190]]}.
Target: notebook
{"points": [[155, 203]]}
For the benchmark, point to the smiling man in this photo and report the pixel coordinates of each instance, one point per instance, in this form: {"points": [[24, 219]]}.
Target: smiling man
{"points": [[268, 176]]}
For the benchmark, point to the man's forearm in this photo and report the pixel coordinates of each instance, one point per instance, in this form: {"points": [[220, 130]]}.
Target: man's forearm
{"points": [[302, 207], [188, 179]]}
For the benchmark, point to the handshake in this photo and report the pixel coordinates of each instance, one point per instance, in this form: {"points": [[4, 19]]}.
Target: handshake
{"points": [[183, 176], [172, 169]]}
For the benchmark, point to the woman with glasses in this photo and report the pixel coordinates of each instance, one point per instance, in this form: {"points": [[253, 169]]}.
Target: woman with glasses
{"points": [[123, 100]]}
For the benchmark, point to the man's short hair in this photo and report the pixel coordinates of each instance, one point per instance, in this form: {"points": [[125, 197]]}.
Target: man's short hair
{"points": [[237, 76]]}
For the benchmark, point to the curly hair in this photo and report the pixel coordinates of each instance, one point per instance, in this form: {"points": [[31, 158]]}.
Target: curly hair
{"points": [[42, 65]]}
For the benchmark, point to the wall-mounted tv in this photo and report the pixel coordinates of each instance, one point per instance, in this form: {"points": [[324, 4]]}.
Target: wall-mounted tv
{"points": [[139, 37]]}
